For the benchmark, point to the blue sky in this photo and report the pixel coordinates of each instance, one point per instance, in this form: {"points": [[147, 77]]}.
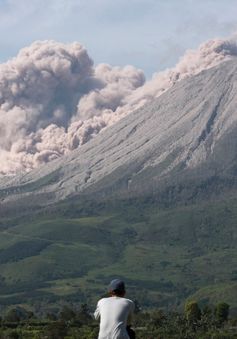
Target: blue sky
{"points": [[149, 34]]}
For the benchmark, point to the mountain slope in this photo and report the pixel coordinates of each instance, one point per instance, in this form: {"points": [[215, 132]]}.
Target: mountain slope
{"points": [[184, 133], [164, 254], [166, 215]]}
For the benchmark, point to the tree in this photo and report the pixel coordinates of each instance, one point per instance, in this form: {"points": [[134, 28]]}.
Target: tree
{"points": [[51, 316], [56, 330], [67, 314], [13, 335], [12, 316], [83, 315], [192, 312], [222, 312], [207, 311]]}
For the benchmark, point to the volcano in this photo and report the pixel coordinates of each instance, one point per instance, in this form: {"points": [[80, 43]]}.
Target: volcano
{"points": [[152, 198], [186, 135]]}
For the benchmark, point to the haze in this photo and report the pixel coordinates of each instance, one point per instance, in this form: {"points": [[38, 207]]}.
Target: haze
{"points": [[149, 34]]}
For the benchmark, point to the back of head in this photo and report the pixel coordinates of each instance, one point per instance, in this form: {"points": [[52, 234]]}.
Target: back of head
{"points": [[117, 288]]}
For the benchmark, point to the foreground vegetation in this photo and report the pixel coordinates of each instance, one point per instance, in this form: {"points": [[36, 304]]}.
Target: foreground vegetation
{"points": [[72, 323]]}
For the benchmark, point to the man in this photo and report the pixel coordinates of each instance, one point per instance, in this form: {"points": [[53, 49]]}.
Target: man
{"points": [[115, 312]]}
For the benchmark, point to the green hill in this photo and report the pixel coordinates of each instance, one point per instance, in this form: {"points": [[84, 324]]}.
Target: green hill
{"points": [[70, 252]]}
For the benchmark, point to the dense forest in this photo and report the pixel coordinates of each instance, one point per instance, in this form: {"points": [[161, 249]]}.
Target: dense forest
{"points": [[209, 322]]}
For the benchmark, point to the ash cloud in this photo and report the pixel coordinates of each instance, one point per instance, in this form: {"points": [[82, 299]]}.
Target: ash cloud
{"points": [[53, 99]]}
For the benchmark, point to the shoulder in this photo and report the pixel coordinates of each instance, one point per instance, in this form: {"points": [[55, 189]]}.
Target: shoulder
{"points": [[102, 301], [130, 303]]}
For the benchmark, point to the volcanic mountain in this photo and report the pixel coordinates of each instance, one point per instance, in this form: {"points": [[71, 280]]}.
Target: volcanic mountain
{"points": [[187, 133], [151, 199]]}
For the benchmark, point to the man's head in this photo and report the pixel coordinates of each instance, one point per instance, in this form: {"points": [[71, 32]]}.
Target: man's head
{"points": [[117, 288]]}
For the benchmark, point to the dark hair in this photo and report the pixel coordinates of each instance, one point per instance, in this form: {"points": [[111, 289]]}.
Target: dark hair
{"points": [[118, 293]]}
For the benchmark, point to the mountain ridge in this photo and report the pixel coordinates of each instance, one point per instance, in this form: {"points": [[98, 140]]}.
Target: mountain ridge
{"points": [[176, 134]]}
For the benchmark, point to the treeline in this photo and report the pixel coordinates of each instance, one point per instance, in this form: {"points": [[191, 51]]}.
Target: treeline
{"points": [[72, 323]]}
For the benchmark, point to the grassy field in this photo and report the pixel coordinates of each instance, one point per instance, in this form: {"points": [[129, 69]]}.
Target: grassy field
{"points": [[165, 255]]}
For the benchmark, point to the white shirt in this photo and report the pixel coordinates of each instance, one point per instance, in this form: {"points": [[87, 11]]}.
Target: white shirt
{"points": [[115, 314]]}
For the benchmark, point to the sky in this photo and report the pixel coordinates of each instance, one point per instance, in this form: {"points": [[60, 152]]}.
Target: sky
{"points": [[149, 34], [63, 66]]}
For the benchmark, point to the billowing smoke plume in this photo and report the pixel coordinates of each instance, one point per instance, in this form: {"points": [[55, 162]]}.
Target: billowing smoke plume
{"points": [[193, 62], [52, 98]]}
